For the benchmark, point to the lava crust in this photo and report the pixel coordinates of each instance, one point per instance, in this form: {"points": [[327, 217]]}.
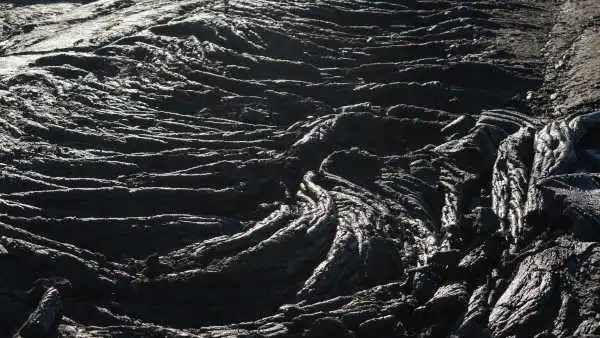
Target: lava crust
{"points": [[335, 168]]}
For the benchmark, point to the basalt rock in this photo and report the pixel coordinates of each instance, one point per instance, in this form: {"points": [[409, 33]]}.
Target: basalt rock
{"points": [[44, 320], [325, 168]]}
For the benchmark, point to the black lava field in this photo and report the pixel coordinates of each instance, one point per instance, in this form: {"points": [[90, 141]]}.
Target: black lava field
{"points": [[300, 168]]}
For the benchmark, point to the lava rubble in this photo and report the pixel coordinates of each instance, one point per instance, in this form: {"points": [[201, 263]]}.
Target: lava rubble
{"points": [[332, 168]]}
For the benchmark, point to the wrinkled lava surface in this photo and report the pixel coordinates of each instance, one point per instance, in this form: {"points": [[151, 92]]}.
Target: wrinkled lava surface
{"points": [[329, 168]]}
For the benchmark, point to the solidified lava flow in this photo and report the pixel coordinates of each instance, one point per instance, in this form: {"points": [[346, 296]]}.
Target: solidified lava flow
{"points": [[269, 168]]}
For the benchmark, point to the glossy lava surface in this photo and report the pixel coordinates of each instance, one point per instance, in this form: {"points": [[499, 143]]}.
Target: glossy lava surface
{"points": [[329, 168]]}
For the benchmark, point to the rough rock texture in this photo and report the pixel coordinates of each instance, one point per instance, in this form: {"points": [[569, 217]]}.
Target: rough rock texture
{"points": [[298, 168]]}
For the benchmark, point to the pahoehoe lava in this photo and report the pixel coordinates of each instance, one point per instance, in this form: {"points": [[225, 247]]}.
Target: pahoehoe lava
{"points": [[330, 168]]}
